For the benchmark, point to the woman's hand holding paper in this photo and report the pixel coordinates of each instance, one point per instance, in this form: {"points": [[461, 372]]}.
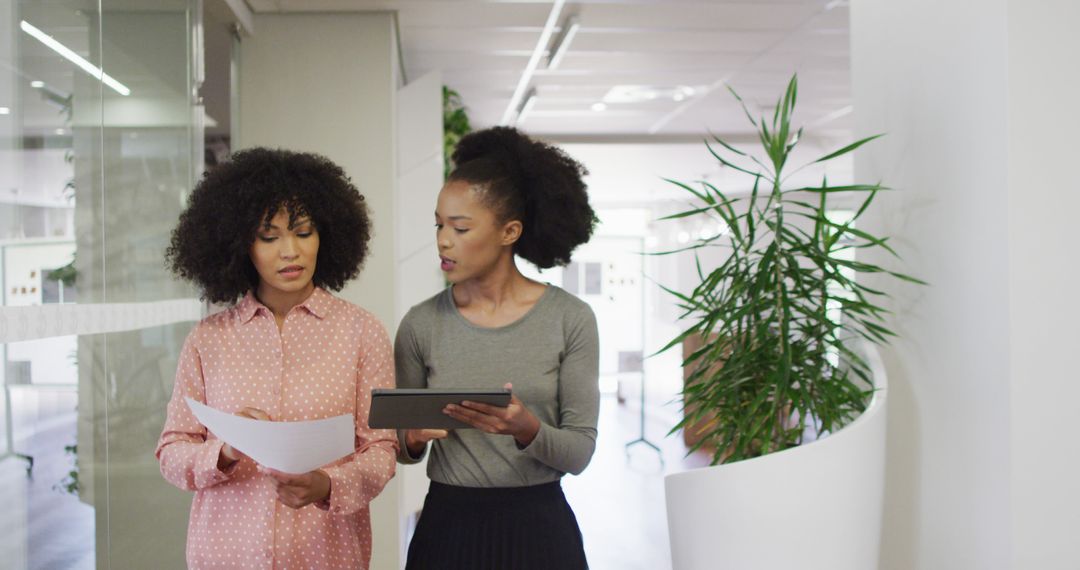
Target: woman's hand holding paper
{"points": [[229, 455]]}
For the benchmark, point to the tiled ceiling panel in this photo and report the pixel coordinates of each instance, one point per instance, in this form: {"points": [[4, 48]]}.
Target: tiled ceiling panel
{"points": [[482, 48]]}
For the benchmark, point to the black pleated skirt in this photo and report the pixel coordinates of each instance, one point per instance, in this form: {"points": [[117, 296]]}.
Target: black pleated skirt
{"points": [[507, 528]]}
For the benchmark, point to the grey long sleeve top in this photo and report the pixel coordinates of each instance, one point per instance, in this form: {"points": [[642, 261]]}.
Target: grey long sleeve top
{"points": [[551, 355]]}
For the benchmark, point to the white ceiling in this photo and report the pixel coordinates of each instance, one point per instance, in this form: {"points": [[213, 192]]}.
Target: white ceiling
{"points": [[482, 48]]}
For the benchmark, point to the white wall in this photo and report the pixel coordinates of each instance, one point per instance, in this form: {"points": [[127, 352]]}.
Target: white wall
{"points": [[420, 177], [630, 177], [915, 78], [327, 83], [973, 96], [1044, 195], [622, 175]]}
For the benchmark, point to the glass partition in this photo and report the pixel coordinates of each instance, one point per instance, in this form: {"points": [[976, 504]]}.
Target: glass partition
{"points": [[100, 143]]}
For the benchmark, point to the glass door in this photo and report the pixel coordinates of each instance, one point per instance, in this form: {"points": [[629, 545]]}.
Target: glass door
{"points": [[100, 143]]}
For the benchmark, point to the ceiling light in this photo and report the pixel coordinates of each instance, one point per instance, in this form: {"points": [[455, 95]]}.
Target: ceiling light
{"points": [[562, 43], [642, 93], [534, 60], [37, 84], [526, 106], [598, 107], [5, 111], [75, 58], [59, 131]]}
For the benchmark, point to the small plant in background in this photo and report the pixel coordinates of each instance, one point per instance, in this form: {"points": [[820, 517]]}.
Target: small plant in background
{"points": [[455, 125], [777, 318], [65, 274], [70, 483]]}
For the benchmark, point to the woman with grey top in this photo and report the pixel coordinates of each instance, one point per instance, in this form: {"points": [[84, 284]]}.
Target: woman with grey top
{"points": [[495, 500]]}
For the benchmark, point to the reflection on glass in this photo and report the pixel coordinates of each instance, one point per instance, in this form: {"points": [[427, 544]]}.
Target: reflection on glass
{"points": [[36, 167], [52, 527], [97, 153], [147, 171], [147, 516], [48, 115]]}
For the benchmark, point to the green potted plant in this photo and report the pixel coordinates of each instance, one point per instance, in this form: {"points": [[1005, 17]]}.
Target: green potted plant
{"points": [[777, 328], [455, 125]]}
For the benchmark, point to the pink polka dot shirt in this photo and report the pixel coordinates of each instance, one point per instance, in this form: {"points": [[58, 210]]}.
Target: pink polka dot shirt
{"points": [[324, 362]]}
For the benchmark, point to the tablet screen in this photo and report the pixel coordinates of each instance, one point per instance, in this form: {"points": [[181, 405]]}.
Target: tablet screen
{"points": [[423, 408]]}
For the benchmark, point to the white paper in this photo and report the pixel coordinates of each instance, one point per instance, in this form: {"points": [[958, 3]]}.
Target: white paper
{"points": [[290, 447]]}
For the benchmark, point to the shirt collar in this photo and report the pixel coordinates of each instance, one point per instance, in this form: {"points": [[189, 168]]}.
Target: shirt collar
{"points": [[248, 307], [318, 304]]}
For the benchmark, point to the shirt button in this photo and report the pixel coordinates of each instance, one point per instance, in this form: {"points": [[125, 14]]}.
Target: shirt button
{"points": [[269, 554], [277, 390]]}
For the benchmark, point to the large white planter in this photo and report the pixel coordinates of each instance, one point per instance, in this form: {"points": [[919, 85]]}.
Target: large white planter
{"points": [[814, 507]]}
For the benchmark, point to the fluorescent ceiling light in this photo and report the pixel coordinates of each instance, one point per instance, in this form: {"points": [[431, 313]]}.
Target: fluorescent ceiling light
{"points": [[37, 84], [642, 93], [534, 60], [562, 43], [527, 105], [598, 107], [5, 111], [75, 58]]}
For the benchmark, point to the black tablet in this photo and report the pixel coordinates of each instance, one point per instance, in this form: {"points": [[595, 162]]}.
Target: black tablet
{"points": [[423, 408]]}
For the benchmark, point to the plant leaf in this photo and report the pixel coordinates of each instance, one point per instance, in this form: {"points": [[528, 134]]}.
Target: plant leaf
{"points": [[847, 149]]}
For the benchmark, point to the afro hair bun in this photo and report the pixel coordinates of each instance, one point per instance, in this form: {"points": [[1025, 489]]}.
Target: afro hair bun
{"points": [[533, 182]]}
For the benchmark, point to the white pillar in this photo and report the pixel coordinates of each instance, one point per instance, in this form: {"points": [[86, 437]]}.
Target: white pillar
{"points": [[1044, 199], [327, 83], [977, 100], [420, 176]]}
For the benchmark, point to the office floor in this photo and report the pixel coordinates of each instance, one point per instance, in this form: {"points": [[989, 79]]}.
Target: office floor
{"points": [[41, 526], [619, 499]]}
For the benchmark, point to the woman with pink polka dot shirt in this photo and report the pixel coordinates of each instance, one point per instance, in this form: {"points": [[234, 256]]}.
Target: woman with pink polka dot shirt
{"points": [[277, 229]]}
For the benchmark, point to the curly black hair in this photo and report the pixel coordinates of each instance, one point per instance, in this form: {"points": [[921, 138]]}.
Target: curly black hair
{"points": [[533, 182], [211, 245]]}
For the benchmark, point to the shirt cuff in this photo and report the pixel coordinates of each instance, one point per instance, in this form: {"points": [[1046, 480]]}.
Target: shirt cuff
{"points": [[207, 473], [343, 499], [537, 443]]}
